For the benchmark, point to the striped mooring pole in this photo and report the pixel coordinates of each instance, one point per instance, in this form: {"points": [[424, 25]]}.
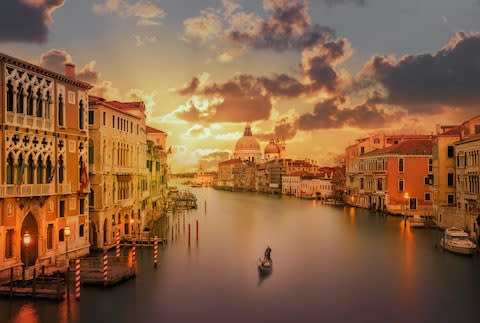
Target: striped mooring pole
{"points": [[77, 278], [105, 268], [155, 251], [117, 245], [134, 256]]}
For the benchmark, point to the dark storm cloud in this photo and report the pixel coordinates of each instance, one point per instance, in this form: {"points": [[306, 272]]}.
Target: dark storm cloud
{"points": [[425, 83], [329, 114], [190, 88], [26, 20], [284, 129], [287, 27]]}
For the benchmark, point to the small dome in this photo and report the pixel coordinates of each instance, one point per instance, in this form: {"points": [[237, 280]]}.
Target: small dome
{"points": [[272, 148]]}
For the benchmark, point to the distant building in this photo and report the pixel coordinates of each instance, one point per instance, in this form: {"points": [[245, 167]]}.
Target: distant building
{"points": [[247, 147], [225, 179]]}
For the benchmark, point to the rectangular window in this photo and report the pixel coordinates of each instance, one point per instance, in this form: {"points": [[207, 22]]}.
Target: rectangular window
{"points": [[104, 118], [430, 165], [450, 199], [50, 236], [61, 209], [376, 141], [450, 179], [81, 230], [400, 165], [82, 206], [450, 151], [426, 180], [413, 204], [362, 150], [9, 244], [379, 184], [113, 121], [477, 128], [91, 117], [361, 183], [427, 197], [401, 185]]}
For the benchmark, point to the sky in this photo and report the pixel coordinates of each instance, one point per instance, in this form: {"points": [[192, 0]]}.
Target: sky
{"points": [[318, 74]]}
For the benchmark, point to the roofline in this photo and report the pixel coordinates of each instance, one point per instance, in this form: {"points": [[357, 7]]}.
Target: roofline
{"points": [[102, 102], [35, 68]]}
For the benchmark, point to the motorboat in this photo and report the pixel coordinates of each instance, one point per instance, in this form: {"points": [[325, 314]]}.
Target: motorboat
{"points": [[265, 266], [457, 241], [416, 222]]}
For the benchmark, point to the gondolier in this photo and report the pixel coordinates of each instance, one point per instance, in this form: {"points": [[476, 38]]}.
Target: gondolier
{"points": [[268, 251]]}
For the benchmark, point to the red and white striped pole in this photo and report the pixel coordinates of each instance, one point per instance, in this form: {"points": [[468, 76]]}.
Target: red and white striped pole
{"points": [[117, 242], [77, 278], [105, 268], [155, 251], [134, 256], [197, 230]]}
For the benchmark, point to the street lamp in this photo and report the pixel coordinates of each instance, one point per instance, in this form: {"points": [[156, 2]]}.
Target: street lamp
{"points": [[132, 221], [67, 235], [26, 241]]}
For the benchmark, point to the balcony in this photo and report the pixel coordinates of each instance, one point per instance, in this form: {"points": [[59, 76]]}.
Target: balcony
{"points": [[125, 203], [65, 188], [27, 121], [26, 190]]}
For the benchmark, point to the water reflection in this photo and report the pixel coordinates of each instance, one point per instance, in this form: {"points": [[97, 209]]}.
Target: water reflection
{"points": [[26, 314]]}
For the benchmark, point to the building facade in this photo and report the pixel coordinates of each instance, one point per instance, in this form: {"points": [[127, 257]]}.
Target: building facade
{"points": [[44, 181]]}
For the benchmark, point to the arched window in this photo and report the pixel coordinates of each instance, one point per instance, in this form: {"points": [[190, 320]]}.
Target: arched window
{"points": [[61, 235], [20, 169], [60, 110], [91, 152], [30, 170], [9, 96], [10, 169], [400, 165], [20, 103], [61, 170], [48, 101], [30, 101], [80, 115], [40, 170], [39, 105], [48, 170]]}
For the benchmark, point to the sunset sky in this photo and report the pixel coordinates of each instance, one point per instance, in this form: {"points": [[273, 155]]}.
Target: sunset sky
{"points": [[318, 73]]}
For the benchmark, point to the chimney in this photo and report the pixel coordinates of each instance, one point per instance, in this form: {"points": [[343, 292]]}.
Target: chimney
{"points": [[70, 70]]}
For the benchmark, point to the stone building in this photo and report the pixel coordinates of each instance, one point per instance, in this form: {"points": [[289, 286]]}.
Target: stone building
{"points": [[44, 181], [247, 147], [118, 170]]}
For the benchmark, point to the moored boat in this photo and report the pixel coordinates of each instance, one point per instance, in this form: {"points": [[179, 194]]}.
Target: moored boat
{"points": [[416, 222], [457, 241]]}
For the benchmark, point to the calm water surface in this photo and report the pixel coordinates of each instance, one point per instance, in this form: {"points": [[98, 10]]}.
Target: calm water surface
{"points": [[331, 264]]}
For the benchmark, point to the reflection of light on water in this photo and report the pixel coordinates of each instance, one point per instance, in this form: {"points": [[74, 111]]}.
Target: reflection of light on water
{"points": [[352, 215], [68, 309], [408, 261], [26, 314]]}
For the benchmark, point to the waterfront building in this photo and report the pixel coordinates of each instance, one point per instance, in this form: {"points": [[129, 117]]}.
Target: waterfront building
{"points": [[154, 199], [291, 184], [467, 152], [244, 176], [353, 173], [226, 178], [44, 181], [395, 179], [118, 169], [304, 185]]}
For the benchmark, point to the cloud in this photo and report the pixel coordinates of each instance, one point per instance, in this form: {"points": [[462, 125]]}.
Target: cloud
{"points": [[26, 20], [143, 40], [197, 132], [285, 128], [209, 161], [427, 83], [55, 60], [330, 114], [145, 12], [201, 29]]}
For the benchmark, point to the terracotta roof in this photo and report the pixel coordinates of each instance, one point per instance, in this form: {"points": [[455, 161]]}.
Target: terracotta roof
{"points": [[457, 130], [92, 99], [128, 105], [35, 68], [408, 147], [154, 130]]}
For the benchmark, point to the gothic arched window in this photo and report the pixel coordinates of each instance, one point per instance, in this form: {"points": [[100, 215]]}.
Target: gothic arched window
{"points": [[61, 169], [60, 110], [39, 105], [48, 170], [80, 115], [9, 96], [20, 103], [30, 101], [48, 101], [10, 168], [30, 170], [20, 169], [40, 170]]}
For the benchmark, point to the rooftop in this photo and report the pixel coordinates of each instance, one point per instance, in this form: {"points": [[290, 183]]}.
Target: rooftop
{"points": [[408, 147]]}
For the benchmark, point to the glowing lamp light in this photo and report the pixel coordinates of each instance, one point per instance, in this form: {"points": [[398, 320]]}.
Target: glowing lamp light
{"points": [[132, 221], [67, 231], [406, 196], [26, 238]]}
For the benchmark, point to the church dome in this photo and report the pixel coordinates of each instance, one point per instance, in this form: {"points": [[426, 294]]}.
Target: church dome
{"points": [[248, 147], [272, 148]]}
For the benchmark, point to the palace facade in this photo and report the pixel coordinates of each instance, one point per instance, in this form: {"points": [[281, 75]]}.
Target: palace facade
{"points": [[44, 181]]}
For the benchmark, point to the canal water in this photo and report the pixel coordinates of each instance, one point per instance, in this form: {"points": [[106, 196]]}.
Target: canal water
{"points": [[331, 264]]}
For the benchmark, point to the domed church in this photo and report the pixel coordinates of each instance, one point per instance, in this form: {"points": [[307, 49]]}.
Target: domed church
{"points": [[275, 150], [247, 147]]}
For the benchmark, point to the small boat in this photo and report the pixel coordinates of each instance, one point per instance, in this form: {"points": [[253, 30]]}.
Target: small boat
{"points": [[265, 266], [457, 241], [416, 222]]}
